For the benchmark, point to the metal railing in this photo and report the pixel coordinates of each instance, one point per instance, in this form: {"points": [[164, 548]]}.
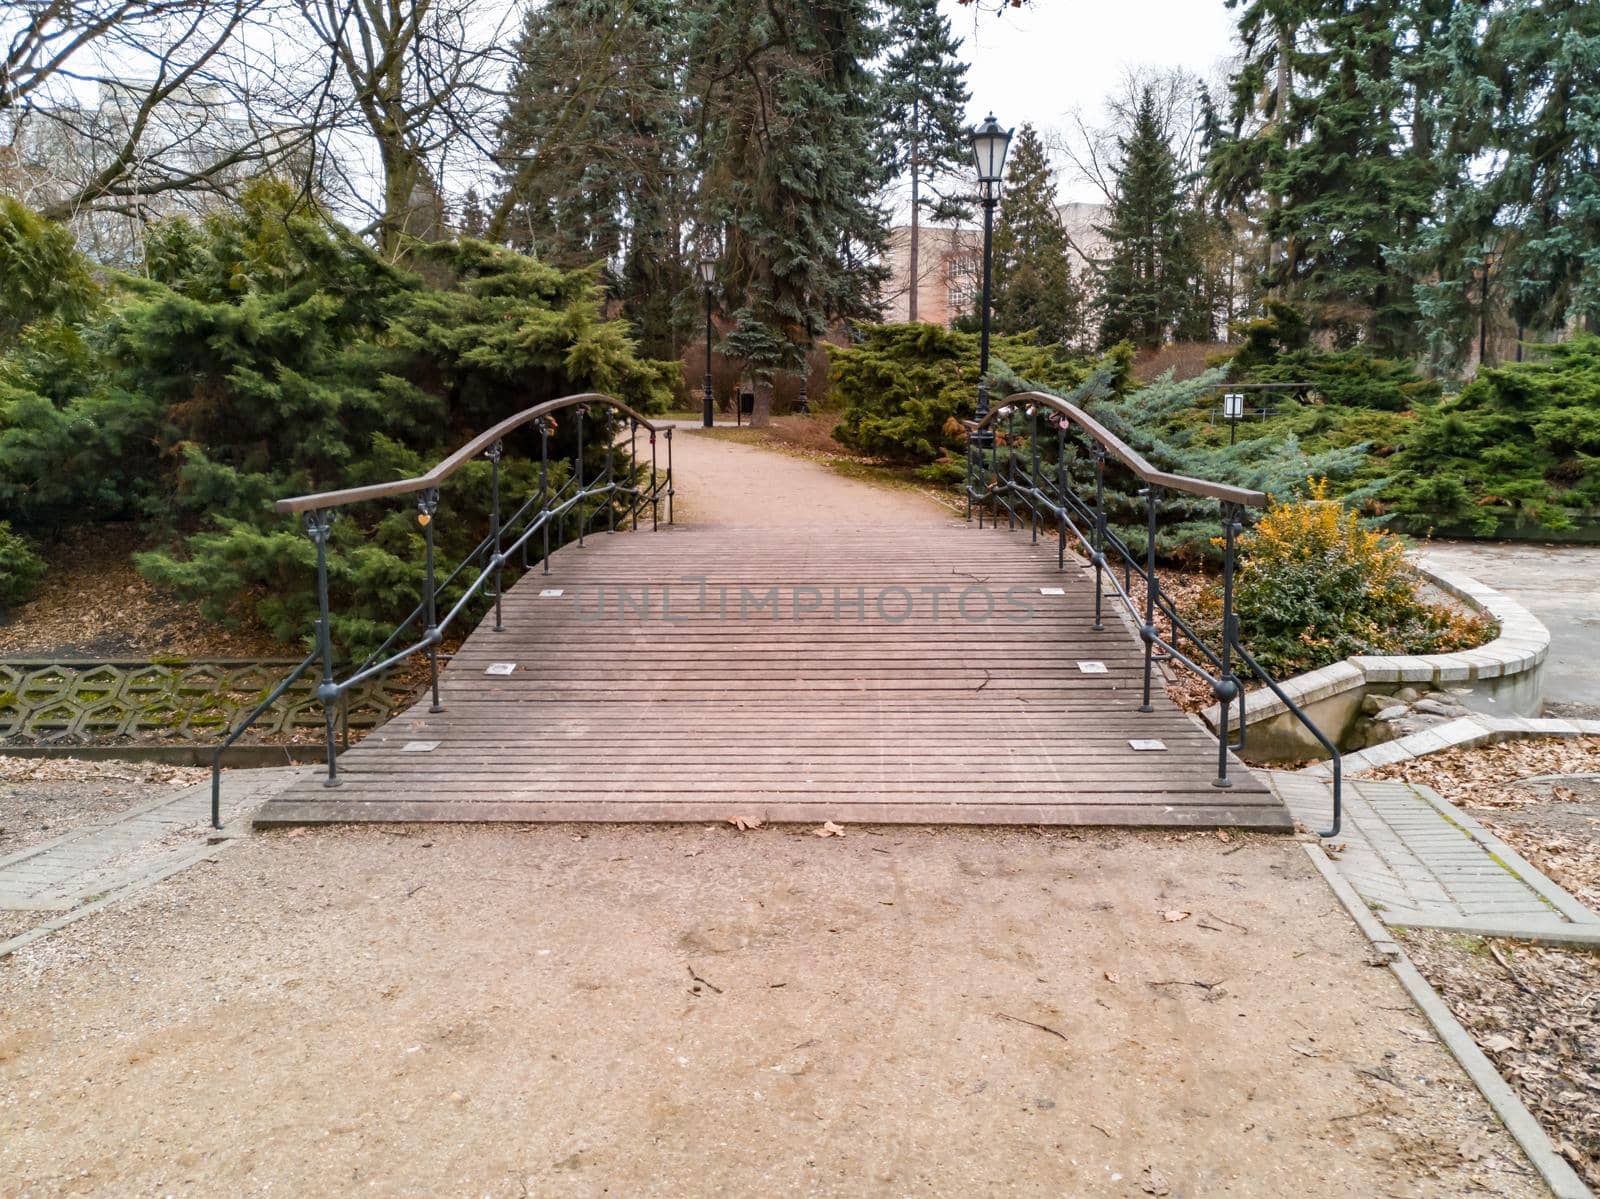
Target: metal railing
{"points": [[507, 536], [1006, 471]]}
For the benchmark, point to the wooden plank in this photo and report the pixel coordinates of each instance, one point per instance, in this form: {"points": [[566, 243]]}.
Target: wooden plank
{"points": [[934, 718]]}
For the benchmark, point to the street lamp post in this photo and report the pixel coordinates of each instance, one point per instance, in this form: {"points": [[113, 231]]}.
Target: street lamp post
{"points": [[989, 146], [708, 272]]}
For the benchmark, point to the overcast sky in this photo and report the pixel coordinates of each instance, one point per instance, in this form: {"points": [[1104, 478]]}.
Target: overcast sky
{"points": [[1040, 63]]}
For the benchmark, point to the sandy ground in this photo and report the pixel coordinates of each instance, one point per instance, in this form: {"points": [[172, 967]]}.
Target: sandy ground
{"points": [[502, 1012], [680, 1009]]}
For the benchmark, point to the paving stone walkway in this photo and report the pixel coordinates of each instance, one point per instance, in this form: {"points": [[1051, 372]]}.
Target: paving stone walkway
{"points": [[1421, 862], [90, 867]]}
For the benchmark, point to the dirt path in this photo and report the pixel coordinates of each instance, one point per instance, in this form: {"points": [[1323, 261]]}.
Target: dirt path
{"points": [[674, 1010], [720, 482], [493, 1011]]}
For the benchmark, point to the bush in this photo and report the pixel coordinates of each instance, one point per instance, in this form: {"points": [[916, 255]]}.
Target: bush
{"points": [[1520, 444], [906, 388], [1314, 586], [20, 568], [272, 353]]}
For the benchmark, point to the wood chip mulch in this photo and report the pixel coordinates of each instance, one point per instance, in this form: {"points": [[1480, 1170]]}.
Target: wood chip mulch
{"points": [[94, 604], [1536, 1013]]}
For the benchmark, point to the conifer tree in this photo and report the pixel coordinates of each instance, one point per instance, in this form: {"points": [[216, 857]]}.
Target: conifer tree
{"points": [[789, 170], [1146, 282], [1033, 284], [924, 90], [592, 148]]}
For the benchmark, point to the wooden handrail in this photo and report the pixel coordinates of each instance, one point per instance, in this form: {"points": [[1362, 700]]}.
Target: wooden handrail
{"points": [[449, 466], [1124, 453]]}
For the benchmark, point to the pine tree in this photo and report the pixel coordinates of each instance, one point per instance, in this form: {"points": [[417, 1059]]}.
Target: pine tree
{"points": [[1033, 284], [924, 90], [1146, 281], [1351, 190], [789, 170], [592, 152], [1516, 101]]}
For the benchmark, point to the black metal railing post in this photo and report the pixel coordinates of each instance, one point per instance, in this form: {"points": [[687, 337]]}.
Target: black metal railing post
{"points": [[670, 487], [1062, 491], [544, 485], [318, 523], [427, 505], [633, 467], [655, 487], [1226, 686], [1099, 453], [1149, 632], [493, 454], [1033, 451], [583, 519], [611, 478]]}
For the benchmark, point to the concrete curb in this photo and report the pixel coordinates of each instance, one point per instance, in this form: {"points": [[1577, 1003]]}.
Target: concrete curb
{"points": [[1463, 733], [1560, 1177], [235, 757], [1522, 646]]}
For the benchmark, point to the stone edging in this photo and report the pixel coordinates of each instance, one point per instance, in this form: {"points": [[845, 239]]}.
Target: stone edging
{"points": [[1524, 1128], [1522, 645], [1464, 733]]}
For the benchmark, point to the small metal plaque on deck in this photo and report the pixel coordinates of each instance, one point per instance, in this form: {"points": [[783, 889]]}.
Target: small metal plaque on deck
{"points": [[1092, 667], [1052, 591], [1148, 745], [550, 593], [501, 668], [419, 747]]}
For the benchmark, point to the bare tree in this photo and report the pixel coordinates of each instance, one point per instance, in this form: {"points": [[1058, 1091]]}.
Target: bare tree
{"points": [[114, 114], [423, 83]]}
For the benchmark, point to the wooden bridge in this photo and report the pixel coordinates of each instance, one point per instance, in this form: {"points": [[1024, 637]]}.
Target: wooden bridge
{"points": [[911, 671]]}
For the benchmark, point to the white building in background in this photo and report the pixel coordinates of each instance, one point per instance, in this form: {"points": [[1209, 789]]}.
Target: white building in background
{"points": [[949, 267], [49, 154]]}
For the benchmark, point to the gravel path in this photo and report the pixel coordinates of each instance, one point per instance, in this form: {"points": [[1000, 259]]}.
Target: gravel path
{"points": [[665, 1010]]}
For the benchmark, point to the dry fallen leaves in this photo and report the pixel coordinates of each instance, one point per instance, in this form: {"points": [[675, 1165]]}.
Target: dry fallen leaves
{"points": [[1173, 915], [828, 829], [746, 823], [1112, 977]]}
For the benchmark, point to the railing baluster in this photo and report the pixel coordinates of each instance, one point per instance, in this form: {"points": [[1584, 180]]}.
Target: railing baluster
{"points": [[670, 486], [1033, 449], [633, 466], [1226, 686], [544, 486], [493, 454], [427, 505], [655, 487], [1061, 492], [1099, 453], [611, 478], [583, 520], [317, 525], [1149, 633]]}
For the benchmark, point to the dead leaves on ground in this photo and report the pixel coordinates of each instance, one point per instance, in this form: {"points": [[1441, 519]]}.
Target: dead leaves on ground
{"points": [[828, 829]]}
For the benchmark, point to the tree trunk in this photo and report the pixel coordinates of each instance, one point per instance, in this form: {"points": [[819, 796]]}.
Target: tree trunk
{"points": [[761, 413]]}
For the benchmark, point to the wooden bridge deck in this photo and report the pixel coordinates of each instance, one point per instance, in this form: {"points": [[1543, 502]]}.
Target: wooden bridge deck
{"points": [[690, 714]]}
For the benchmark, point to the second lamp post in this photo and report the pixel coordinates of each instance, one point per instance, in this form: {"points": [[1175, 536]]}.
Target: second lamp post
{"points": [[989, 146], [708, 273]]}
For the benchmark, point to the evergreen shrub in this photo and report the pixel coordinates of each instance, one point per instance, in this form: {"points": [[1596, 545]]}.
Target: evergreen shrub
{"points": [[21, 568], [905, 389], [1314, 586]]}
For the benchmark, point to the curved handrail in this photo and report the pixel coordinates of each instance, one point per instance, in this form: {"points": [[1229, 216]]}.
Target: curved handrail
{"points": [[449, 466], [1124, 453]]}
